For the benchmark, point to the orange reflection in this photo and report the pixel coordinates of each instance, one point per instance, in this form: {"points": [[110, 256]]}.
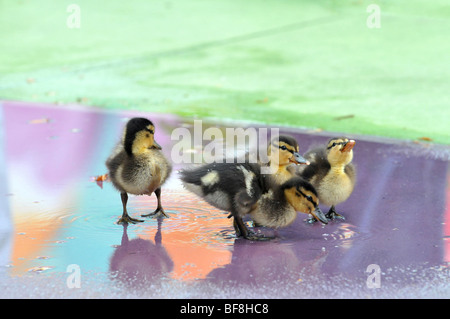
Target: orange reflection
{"points": [[195, 236], [32, 235]]}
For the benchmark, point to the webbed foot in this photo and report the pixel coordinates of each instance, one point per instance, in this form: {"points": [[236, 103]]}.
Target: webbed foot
{"points": [[332, 214], [251, 235], [159, 210], [126, 219], [243, 231]]}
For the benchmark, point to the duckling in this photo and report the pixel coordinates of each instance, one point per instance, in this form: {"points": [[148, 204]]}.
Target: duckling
{"points": [[283, 151], [331, 172], [279, 206], [241, 189], [137, 166]]}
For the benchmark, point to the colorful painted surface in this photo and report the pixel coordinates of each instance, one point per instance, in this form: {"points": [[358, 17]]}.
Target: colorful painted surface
{"points": [[54, 215]]}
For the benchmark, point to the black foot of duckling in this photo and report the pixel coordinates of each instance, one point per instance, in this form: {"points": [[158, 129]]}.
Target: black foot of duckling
{"points": [[332, 214], [137, 166], [159, 209], [125, 219], [243, 231]]}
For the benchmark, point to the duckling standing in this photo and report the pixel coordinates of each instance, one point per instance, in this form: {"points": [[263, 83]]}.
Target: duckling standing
{"points": [[241, 189], [137, 166], [331, 172]]}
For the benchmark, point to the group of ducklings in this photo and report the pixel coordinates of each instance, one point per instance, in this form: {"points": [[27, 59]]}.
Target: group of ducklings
{"points": [[296, 183]]}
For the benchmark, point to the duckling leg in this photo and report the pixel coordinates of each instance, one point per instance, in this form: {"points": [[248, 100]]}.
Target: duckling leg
{"points": [[242, 230], [159, 209], [332, 214], [125, 219]]}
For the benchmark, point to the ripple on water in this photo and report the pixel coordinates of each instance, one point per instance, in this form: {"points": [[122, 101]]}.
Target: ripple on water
{"points": [[343, 231], [191, 220]]}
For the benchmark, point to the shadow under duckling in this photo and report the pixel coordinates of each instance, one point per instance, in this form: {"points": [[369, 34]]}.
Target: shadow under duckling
{"points": [[242, 190], [331, 172], [137, 166]]}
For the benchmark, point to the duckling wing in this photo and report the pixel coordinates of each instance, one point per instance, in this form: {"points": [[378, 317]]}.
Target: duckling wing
{"points": [[205, 181], [113, 163], [350, 171], [318, 167], [116, 158], [227, 186]]}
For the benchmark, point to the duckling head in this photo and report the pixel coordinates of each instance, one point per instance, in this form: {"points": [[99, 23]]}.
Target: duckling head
{"points": [[303, 197], [284, 150], [139, 136], [340, 151]]}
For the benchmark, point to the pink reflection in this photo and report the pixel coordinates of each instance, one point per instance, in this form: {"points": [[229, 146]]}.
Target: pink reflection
{"points": [[55, 143]]}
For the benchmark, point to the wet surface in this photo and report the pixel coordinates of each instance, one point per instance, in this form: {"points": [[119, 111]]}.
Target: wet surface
{"points": [[54, 214]]}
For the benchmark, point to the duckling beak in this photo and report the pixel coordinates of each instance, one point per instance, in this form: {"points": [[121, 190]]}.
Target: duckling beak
{"points": [[348, 146], [298, 159], [156, 145], [319, 215]]}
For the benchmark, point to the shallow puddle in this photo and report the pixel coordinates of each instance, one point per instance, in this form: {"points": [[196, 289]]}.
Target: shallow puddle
{"points": [[54, 214]]}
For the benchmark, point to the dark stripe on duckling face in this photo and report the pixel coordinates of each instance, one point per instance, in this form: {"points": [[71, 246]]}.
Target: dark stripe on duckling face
{"points": [[308, 198], [285, 158], [285, 147], [134, 126], [337, 141], [150, 128]]}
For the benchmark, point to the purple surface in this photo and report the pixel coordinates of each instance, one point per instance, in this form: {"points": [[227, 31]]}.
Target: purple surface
{"points": [[397, 218]]}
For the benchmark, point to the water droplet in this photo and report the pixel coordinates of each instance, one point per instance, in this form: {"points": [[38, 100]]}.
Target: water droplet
{"points": [[39, 269]]}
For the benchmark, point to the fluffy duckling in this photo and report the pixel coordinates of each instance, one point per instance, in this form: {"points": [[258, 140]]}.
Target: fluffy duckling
{"points": [[279, 206], [331, 172], [137, 165], [283, 151], [241, 189]]}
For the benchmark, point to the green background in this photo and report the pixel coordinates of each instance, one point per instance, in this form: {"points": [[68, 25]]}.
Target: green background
{"points": [[312, 64]]}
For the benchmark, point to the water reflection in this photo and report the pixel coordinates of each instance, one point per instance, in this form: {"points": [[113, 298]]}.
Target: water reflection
{"points": [[140, 261], [264, 263], [396, 217]]}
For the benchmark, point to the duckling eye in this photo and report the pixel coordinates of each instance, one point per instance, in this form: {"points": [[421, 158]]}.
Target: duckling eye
{"points": [[283, 148], [333, 145], [309, 198]]}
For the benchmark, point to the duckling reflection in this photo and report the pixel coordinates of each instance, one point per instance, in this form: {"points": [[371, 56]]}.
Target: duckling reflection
{"points": [[256, 263], [140, 260]]}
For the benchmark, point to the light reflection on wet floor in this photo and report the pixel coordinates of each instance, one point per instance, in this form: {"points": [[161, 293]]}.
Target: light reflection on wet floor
{"points": [[397, 217]]}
